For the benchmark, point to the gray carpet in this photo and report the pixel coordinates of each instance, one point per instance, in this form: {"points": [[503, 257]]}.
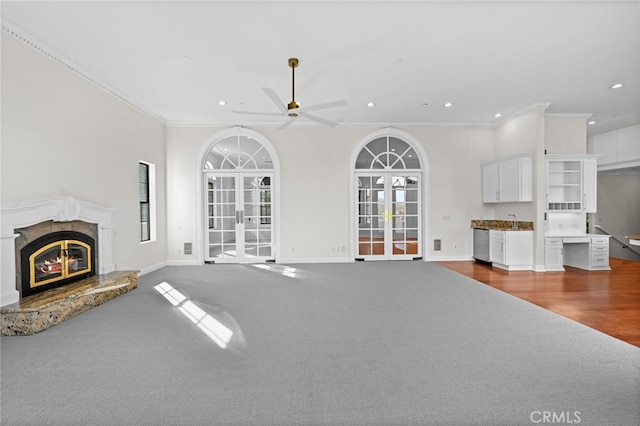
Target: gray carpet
{"points": [[401, 343]]}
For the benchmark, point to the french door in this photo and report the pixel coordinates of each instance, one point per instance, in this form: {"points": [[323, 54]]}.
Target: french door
{"points": [[388, 215], [239, 217]]}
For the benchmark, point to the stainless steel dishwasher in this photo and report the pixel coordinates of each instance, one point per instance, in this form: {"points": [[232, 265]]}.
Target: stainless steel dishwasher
{"points": [[481, 244]]}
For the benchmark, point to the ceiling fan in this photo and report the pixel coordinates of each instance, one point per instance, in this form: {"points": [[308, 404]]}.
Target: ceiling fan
{"points": [[293, 110]]}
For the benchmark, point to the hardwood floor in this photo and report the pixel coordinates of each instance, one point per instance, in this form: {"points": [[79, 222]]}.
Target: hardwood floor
{"points": [[608, 301]]}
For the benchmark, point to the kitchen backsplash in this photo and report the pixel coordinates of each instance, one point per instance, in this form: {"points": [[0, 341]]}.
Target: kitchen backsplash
{"points": [[565, 224]]}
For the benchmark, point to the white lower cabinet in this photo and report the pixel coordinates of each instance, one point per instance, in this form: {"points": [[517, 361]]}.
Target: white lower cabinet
{"points": [[497, 241], [599, 253], [553, 254], [511, 250]]}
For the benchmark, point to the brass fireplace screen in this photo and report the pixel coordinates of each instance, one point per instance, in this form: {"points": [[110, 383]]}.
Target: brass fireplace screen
{"points": [[56, 259]]}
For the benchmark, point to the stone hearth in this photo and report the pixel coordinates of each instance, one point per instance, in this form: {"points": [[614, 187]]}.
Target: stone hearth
{"points": [[40, 311]]}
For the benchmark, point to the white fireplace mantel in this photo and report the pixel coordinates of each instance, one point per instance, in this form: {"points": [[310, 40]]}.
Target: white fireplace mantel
{"points": [[63, 209]]}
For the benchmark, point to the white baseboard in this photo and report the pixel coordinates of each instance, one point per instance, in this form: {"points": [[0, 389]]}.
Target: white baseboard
{"points": [[192, 262], [315, 260], [152, 268], [449, 258]]}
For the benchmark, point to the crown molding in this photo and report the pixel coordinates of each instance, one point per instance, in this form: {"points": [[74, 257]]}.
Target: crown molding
{"points": [[613, 127], [521, 111], [354, 125], [584, 116], [40, 47]]}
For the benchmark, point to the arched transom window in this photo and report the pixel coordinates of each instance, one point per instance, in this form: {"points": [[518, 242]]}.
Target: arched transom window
{"points": [[238, 152], [387, 152]]}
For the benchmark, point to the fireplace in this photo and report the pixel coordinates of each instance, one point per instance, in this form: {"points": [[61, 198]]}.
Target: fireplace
{"points": [[56, 259], [65, 238], [56, 262]]}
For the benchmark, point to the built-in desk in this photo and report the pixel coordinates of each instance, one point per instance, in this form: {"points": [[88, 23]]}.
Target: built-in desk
{"points": [[588, 251]]}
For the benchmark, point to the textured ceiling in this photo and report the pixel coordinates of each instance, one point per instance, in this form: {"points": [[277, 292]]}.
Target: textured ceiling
{"points": [[177, 59]]}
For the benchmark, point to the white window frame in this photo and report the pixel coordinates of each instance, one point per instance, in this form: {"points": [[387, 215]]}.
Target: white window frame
{"points": [[353, 185]]}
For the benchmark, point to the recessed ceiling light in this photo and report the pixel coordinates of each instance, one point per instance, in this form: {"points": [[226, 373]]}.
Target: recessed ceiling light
{"points": [[591, 122], [617, 86], [221, 103], [370, 104], [498, 115], [448, 105], [425, 104]]}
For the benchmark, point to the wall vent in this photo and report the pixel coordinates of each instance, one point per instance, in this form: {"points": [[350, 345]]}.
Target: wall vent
{"points": [[188, 248], [437, 245]]}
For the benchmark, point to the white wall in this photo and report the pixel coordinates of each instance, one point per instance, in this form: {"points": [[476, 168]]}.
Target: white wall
{"points": [[524, 134], [314, 192], [566, 134], [533, 131], [519, 135], [455, 196], [63, 136]]}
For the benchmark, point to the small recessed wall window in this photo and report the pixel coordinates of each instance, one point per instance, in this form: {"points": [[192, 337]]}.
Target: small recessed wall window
{"points": [[147, 191]]}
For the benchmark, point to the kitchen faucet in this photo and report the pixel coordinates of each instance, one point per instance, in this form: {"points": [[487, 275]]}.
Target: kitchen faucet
{"points": [[514, 224]]}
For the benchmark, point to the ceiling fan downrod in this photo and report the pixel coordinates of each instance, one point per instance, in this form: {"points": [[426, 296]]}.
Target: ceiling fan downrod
{"points": [[293, 63]]}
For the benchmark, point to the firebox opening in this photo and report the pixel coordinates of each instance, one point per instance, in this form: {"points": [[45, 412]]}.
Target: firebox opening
{"points": [[56, 259]]}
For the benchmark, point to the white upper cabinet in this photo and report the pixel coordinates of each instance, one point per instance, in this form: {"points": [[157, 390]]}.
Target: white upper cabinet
{"points": [[491, 183], [571, 183], [508, 180], [618, 149]]}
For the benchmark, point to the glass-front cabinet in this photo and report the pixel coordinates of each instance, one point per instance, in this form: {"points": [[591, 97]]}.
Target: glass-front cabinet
{"points": [[571, 184]]}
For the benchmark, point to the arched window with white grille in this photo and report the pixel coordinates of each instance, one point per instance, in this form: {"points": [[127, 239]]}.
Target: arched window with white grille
{"points": [[239, 178], [388, 198]]}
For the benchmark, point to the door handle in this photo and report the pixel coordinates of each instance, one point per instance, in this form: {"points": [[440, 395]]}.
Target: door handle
{"points": [[237, 217], [241, 216]]}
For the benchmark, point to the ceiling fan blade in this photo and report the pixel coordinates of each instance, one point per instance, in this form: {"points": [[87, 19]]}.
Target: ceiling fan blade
{"points": [[318, 119], [275, 99], [321, 106], [274, 114], [287, 123]]}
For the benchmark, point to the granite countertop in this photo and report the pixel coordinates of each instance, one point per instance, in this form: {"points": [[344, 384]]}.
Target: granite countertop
{"points": [[633, 239], [502, 225]]}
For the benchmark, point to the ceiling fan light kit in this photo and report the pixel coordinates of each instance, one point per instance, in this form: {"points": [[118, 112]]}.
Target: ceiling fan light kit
{"points": [[293, 109]]}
